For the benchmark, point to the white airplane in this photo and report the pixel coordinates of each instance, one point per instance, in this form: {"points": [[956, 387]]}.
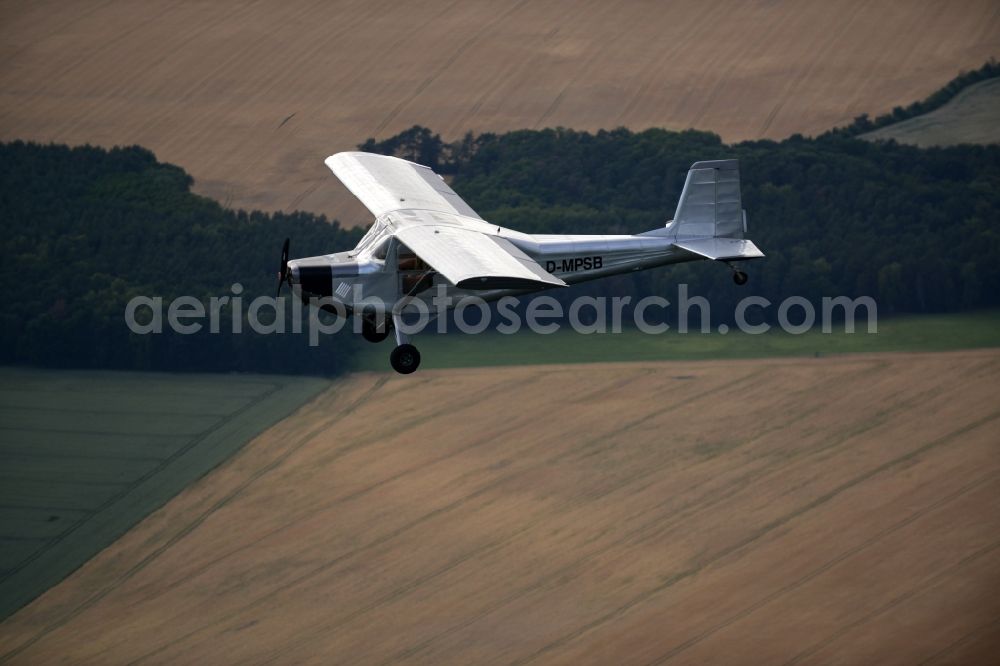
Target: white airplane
{"points": [[425, 235]]}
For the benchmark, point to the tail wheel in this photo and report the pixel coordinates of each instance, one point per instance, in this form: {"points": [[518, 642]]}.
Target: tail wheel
{"points": [[740, 278], [405, 359]]}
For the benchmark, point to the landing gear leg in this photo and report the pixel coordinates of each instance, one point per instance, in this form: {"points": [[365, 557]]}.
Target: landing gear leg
{"points": [[371, 331], [404, 357]]}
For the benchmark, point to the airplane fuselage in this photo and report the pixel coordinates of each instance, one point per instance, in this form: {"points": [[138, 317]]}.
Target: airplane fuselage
{"points": [[374, 273]]}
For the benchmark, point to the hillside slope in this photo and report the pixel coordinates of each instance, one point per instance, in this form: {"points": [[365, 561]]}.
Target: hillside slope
{"points": [[249, 98], [972, 117], [824, 510]]}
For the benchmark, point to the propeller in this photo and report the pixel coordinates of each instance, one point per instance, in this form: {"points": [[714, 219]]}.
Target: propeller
{"points": [[283, 270]]}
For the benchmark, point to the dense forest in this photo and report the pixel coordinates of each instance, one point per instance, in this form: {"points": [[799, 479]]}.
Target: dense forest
{"points": [[86, 229]]}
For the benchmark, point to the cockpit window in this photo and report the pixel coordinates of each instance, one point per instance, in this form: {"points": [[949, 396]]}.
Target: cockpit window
{"points": [[409, 261], [374, 234], [382, 250]]}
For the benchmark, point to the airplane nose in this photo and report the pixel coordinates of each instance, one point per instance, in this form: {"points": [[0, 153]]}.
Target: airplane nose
{"points": [[312, 275]]}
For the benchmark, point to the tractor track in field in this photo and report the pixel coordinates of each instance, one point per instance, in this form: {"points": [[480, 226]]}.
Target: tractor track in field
{"points": [[767, 529]]}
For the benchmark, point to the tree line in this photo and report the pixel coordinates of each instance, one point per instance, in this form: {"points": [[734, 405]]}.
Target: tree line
{"points": [[863, 124]]}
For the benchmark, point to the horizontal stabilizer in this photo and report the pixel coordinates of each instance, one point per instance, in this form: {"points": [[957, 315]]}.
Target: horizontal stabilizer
{"points": [[721, 249]]}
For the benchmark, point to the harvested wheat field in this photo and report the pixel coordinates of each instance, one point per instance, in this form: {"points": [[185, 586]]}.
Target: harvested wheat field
{"points": [[250, 97], [811, 510]]}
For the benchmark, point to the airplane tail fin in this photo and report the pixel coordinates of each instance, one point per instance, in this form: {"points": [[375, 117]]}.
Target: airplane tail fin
{"points": [[710, 221], [710, 204]]}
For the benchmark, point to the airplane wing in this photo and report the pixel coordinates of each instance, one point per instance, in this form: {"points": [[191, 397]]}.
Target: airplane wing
{"points": [[384, 184], [470, 259]]}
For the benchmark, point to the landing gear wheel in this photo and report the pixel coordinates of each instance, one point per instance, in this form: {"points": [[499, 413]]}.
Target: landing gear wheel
{"points": [[740, 278], [372, 334], [405, 359]]}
